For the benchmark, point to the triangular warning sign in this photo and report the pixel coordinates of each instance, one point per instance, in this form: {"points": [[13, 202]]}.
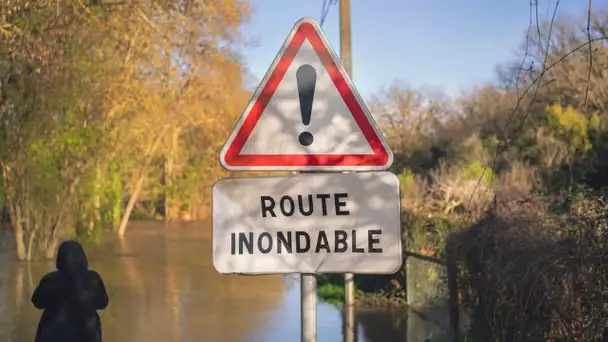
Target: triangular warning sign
{"points": [[306, 115]]}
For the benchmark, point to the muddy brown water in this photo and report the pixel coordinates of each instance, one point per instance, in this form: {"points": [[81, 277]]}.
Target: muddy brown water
{"points": [[163, 287]]}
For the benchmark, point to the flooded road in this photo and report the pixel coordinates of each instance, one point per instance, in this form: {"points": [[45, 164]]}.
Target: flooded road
{"points": [[163, 287]]}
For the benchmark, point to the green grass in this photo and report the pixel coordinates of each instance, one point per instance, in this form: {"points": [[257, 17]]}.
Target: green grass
{"points": [[330, 293], [330, 289]]}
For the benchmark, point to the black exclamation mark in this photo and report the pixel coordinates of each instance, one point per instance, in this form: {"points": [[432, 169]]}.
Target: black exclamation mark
{"points": [[307, 78]]}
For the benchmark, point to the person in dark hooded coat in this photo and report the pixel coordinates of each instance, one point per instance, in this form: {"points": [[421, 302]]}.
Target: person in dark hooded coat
{"points": [[70, 298]]}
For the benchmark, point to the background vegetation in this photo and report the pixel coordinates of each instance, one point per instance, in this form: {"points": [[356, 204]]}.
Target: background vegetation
{"points": [[109, 109], [114, 110], [517, 173]]}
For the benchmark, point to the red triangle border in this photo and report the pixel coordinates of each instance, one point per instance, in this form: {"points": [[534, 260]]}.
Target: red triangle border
{"points": [[381, 157]]}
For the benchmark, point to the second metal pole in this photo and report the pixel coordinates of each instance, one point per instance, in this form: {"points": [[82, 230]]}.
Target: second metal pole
{"points": [[308, 307], [349, 329]]}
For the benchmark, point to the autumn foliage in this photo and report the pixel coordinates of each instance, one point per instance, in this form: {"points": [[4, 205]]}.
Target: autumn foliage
{"points": [[112, 108]]}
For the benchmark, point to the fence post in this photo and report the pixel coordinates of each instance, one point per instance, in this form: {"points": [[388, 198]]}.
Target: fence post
{"points": [[405, 280]]}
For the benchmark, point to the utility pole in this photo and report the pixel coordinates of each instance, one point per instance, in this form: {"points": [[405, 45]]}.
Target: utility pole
{"points": [[345, 56], [345, 47]]}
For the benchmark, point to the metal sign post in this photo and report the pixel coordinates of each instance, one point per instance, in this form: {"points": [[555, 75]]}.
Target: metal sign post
{"points": [[308, 307]]}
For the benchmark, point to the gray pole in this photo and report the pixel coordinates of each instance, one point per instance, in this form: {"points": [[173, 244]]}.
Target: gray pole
{"points": [[308, 307]]}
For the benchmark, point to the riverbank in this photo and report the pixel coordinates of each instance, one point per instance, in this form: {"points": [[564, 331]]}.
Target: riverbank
{"points": [[330, 289]]}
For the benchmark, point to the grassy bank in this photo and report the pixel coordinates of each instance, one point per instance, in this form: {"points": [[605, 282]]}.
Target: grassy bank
{"points": [[330, 289]]}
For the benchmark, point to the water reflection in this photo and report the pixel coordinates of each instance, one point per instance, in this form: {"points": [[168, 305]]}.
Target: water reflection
{"points": [[163, 287], [398, 325], [383, 325]]}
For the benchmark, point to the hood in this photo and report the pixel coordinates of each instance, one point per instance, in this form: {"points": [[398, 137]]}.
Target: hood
{"points": [[71, 257]]}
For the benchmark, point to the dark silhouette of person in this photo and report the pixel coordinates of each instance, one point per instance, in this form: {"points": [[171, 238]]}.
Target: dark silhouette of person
{"points": [[70, 298]]}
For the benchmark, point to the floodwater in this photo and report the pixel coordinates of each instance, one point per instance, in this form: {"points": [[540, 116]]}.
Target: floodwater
{"points": [[163, 287]]}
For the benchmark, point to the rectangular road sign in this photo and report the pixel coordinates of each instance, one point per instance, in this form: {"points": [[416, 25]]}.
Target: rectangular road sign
{"points": [[308, 223]]}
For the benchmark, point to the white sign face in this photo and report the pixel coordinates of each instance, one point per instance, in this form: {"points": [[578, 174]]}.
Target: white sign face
{"points": [[308, 223], [306, 115]]}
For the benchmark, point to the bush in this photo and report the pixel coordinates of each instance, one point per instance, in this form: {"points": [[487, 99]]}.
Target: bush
{"points": [[533, 276], [426, 233]]}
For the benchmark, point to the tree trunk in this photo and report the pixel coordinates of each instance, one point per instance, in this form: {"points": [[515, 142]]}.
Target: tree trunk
{"points": [[19, 243], [132, 200], [15, 214], [51, 246], [168, 175], [116, 204], [140, 182], [30, 243], [17, 224]]}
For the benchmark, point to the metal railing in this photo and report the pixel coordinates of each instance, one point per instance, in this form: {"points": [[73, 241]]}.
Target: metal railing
{"points": [[452, 282]]}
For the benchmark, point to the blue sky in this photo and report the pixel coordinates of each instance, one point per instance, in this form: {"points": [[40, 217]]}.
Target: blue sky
{"points": [[445, 44]]}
